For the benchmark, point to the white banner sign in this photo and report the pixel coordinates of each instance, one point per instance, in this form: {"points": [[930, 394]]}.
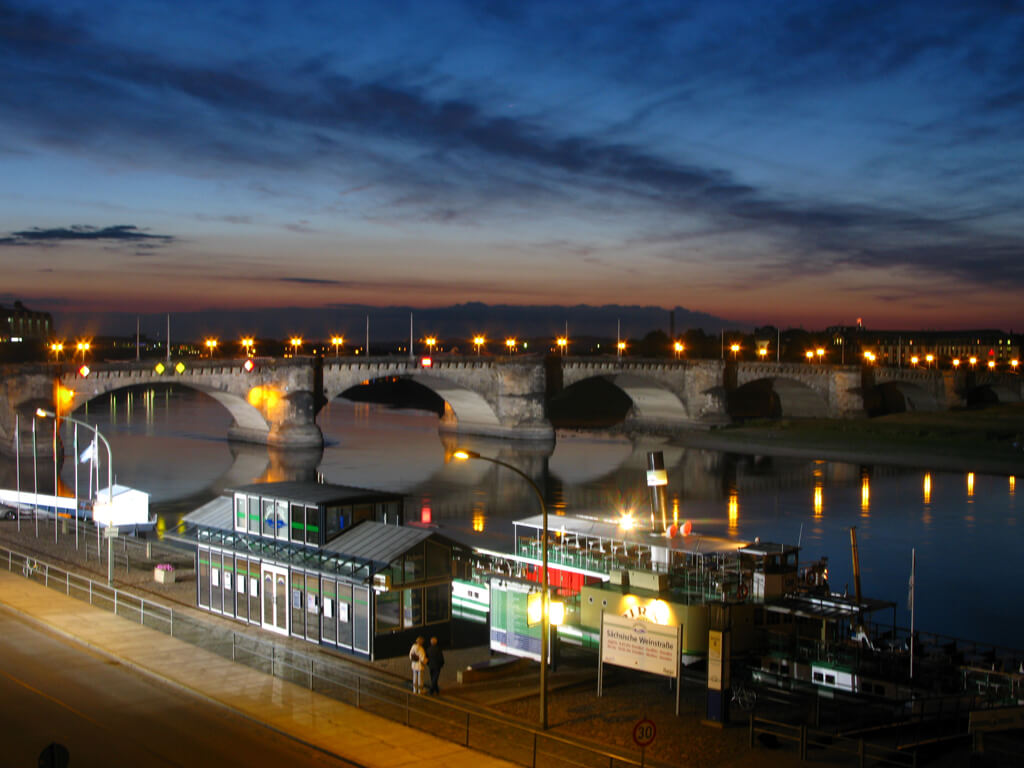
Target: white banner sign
{"points": [[640, 645]]}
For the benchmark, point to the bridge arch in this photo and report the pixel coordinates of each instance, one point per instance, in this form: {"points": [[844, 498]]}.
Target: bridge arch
{"points": [[487, 398], [776, 397], [897, 396]]}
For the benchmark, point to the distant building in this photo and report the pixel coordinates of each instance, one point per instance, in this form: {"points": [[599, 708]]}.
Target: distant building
{"points": [[900, 348], [20, 324]]}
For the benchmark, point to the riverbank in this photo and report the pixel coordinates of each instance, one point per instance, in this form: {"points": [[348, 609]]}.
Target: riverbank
{"points": [[987, 440]]}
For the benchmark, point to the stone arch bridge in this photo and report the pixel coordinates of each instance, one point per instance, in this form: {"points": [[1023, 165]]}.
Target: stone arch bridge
{"points": [[276, 402]]}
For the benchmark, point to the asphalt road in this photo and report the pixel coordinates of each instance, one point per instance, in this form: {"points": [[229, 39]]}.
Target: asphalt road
{"points": [[53, 690]]}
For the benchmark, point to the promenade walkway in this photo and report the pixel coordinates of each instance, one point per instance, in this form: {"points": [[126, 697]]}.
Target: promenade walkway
{"points": [[316, 720]]}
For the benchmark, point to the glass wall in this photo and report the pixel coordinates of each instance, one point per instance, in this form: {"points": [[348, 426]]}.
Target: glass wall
{"points": [[203, 577]]}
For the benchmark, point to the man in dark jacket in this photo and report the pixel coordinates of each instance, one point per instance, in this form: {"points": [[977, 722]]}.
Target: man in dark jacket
{"points": [[435, 660]]}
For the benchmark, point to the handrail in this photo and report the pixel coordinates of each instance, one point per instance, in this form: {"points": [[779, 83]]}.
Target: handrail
{"points": [[330, 671]]}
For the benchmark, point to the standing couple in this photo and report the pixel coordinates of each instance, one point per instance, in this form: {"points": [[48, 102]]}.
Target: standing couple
{"points": [[431, 657]]}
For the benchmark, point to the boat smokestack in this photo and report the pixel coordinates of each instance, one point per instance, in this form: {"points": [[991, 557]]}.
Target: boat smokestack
{"points": [[657, 479]]}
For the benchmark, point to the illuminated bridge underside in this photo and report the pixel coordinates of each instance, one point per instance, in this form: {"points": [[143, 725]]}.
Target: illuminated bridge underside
{"points": [[652, 401], [797, 400]]}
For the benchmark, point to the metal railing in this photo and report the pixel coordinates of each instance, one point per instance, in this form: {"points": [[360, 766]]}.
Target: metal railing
{"points": [[865, 752], [331, 676]]}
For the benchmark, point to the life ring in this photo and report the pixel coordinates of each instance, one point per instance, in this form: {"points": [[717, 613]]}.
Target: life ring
{"points": [[741, 592]]}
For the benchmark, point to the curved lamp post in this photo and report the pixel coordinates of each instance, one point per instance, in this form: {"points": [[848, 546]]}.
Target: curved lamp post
{"points": [[545, 625], [44, 414]]}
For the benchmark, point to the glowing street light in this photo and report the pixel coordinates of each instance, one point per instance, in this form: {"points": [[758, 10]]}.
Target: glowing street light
{"points": [[478, 341], [809, 354], [735, 349], [762, 352], [296, 342], [562, 343], [956, 362], [83, 347], [678, 347], [337, 341], [545, 626], [991, 365], [430, 341], [914, 360], [57, 347], [620, 348], [820, 352], [511, 344], [929, 359], [211, 345], [1014, 363], [247, 343], [973, 361]]}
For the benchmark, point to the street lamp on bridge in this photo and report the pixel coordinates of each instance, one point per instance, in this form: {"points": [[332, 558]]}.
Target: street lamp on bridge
{"points": [[296, 342], [337, 341], [478, 341]]}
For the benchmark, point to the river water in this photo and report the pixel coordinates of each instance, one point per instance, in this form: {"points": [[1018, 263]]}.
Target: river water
{"points": [[966, 528]]}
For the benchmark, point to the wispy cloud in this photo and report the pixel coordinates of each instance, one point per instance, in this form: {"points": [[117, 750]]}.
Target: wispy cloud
{"points": [[117, 233]]}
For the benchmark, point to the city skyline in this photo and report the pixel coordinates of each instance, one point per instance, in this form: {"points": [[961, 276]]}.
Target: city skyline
{"points": [[796, 164]]}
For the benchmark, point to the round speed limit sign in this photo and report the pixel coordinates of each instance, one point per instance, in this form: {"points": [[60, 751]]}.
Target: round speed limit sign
{"points": [[644, 732]]}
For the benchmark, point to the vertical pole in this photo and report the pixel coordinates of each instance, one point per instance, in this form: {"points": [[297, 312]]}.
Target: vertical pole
{"points": [[367, 335], [17, 465], [54, 479], [913, 569], [778, 345], [74, 463], [35, 479], [618, 338], [168, 337], [136, 338], [412, 354], [600, 663], [110, 558]]}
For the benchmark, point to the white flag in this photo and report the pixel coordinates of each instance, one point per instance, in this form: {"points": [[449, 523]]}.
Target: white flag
{"points": [[88, 454]]}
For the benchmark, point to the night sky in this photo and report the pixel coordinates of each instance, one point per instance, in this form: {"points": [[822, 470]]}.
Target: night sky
{"points": [[793, 163]]}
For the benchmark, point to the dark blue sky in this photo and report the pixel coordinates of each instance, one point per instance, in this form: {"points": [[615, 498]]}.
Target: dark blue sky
{"points": [[769, 162]]}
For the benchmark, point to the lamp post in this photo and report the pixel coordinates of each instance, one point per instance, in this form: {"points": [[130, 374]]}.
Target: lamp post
{"points": [[83, 347], [211, 345], [820, 352], [678, 348], [44, 414], [247, 343], [735, 349], [57, 347], [478, 341], [430, 341], [337, 341], [296, 342], [545, 621], [511, 344], [562, 343]]}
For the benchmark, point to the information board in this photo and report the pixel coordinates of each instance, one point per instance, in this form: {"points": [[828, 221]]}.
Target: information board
{"points": [[640, 645], [510, 632]]}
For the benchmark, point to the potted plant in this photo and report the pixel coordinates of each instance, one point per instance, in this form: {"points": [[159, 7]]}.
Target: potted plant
{"points": [[163, 573]]}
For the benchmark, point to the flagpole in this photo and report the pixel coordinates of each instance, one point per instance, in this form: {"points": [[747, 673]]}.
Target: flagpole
{"points": [[17, 463], [913, 568], [75, 464], [55, 481], [35, 479]]}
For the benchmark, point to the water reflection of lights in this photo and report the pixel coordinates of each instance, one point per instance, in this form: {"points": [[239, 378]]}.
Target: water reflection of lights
{"points": [[970, 483], [478, 522], [818, 500], [734, 510], [928, 488], [1013, 484], [675, 509], [865, 496], [426, 514]]}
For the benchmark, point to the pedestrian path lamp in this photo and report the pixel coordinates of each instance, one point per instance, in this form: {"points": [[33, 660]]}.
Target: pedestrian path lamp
{"points": [[44, 414], [545, 624]]}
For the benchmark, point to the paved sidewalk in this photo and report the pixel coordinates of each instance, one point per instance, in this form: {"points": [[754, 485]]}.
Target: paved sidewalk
{"points": [[332, 726]]}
